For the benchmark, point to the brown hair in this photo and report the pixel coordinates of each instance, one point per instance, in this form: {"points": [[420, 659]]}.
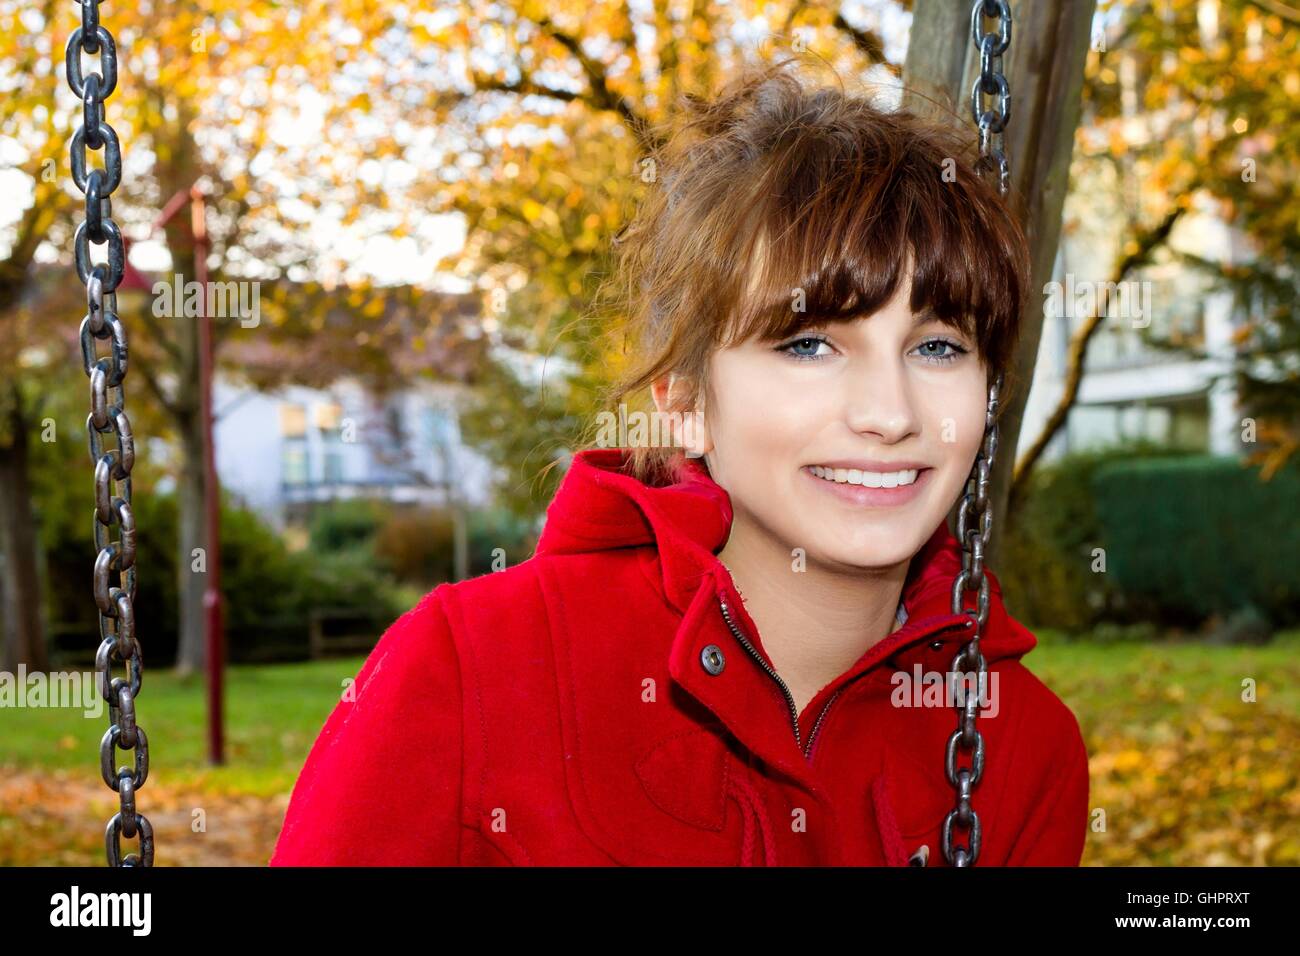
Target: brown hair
{"points": [[776, 186]]}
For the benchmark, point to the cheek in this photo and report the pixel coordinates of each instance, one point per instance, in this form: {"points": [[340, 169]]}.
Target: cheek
{"points": [[957, 419], [758, 414]]}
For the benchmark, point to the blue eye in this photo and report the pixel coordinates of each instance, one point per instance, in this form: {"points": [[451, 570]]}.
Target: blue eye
{"points": [[942, 359], [792, 347], [813, 340]]}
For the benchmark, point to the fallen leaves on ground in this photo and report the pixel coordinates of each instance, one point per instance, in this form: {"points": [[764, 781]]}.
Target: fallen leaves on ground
{"points": [[1215, 789], [57, 818]]}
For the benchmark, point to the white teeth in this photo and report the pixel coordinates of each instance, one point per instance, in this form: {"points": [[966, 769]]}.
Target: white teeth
{"points": [[869, 479]]}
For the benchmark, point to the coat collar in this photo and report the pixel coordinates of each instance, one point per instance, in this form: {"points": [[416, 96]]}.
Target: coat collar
{"points": [[599, 506]]}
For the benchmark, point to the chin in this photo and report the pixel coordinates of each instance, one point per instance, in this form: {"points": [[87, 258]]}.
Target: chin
{"points": [[881, 549]]}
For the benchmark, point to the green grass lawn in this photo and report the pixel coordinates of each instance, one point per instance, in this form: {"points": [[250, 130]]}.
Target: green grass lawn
{"points": [[273, 713], [1146, 683]]}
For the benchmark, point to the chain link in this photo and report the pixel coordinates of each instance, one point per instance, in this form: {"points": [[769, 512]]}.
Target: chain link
{"points": [[991, 82], [975, 514], [116, 601]]}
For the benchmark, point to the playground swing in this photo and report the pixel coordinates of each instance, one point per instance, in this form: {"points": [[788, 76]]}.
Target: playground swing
{"points": [[115, 601]]}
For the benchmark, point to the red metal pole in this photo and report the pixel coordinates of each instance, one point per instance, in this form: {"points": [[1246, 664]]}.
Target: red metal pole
{"points": [[212, 499]]}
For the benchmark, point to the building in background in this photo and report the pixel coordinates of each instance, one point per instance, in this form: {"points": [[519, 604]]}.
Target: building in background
{"points": [[283, 452], [1182, 394]]}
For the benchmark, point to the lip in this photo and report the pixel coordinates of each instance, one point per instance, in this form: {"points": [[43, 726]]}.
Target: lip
{"points": [[871, 464], [872, 497]]}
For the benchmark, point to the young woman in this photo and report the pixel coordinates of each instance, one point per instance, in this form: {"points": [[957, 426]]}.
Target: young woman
{"points": [[728, 647]]}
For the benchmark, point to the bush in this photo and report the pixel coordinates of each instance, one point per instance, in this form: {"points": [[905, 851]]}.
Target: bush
{"points": [[1201, 537], [1048, 551], [417, 545], [268, 591], [353, 523], [514, 536], [1191, 541]]}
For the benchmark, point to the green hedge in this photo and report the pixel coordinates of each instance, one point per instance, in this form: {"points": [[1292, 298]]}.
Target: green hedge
{"points": [[1047, 553], [1187, 538], [1198, 536]]}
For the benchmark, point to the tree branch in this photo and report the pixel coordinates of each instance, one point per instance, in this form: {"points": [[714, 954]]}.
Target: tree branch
{"points": [[522, 87], [155, 387], [160, 335], [1277, 9], [600, 96], [868, 43]]}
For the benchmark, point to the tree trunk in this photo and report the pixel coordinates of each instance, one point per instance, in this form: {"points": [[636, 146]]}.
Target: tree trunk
{"points": [[1044, 68], [191, 486], [24, 636], [192, 568]]}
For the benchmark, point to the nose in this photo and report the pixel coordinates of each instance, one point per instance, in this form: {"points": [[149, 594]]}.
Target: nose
{"points": [[879, 400]]}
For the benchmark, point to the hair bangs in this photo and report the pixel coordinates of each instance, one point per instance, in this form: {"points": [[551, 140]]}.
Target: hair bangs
{"points": [[841, 254]]}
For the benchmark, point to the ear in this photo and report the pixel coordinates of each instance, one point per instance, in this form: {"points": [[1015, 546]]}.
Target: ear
{"points": [[688, 429]]}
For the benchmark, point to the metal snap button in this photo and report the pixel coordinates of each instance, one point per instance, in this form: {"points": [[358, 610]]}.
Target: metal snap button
{"points": [[713, 660], [936, 645]]}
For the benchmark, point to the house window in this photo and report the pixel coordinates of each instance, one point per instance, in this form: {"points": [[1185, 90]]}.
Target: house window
{"points": [[331, 443], [294, 462], [328, 416], [439, 427], [333, 464], [293, 421]]}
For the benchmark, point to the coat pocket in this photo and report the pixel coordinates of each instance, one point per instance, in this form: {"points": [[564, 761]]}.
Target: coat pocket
{"points": [[911, 802], [672, 805]]}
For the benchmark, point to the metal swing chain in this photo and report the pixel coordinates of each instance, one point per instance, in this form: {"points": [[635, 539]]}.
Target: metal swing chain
{"points": [[108, 416], [992, 81], [975, 514]]}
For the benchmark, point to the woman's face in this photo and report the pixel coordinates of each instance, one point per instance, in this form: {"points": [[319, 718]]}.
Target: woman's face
{"points": [[798, 431]]}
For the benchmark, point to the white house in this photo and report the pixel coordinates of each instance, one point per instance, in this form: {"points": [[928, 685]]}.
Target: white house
{"points": [[283, 451], [1128, 388]]}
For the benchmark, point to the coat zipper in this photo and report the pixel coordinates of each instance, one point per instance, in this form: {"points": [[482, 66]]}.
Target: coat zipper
{"points": [[785, 690], [789, 698]]}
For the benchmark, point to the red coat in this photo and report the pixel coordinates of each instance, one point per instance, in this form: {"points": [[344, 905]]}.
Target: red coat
{"points": [[565, 712]]}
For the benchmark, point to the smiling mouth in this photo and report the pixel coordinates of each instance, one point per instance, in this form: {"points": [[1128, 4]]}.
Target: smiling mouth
{"points": [[868, 479]]}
